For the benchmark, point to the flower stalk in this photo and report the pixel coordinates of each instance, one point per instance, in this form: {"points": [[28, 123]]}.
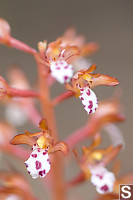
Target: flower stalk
{"points": [[58, 192]]}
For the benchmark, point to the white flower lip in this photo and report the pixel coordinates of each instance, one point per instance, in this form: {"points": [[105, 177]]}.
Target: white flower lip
{"points": [[89, 99], [38, 164], [102, 179], [61, 71]]}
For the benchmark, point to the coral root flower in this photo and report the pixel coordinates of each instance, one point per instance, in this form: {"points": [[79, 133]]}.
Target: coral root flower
{"points": [[93, 163], [43, 144], [56, 58], [102, 179], [83, 81]]}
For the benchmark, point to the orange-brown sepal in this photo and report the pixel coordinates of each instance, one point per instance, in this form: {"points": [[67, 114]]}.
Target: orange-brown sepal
{"points": [[43, 124], [23, 139], [104, 80], [59, 146], [85, 77]]}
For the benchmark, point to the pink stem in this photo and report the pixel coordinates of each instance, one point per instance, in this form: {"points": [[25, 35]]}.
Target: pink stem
{"points": [[62, 97], [16, 151], [57, 179], [14, 43], [23, 93], [79, 135]]}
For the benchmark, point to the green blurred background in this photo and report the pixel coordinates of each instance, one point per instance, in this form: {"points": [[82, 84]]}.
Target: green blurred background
{"points": [[108, 22]]}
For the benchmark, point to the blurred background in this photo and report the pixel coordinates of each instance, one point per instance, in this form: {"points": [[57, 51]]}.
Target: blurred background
{"points": [[108, 22]]}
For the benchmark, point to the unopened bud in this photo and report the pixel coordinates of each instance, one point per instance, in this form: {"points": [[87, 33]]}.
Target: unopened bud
{"points": [[4, 30]]}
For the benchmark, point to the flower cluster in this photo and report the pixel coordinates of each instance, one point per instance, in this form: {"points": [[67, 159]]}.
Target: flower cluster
{"points": [[93, 162], [62, 61]]}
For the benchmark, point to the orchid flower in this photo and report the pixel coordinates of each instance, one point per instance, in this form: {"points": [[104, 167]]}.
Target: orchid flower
{"points": [[42, 143], [56, 58], [83, 81], [93, 163]]}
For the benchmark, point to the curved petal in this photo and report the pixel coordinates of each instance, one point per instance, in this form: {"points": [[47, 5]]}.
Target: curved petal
{"points": [[60, 146], [43, 124], [104, 80], [23, 139], [89, 48], [112, 154], [91, 68], [32, 134], [70, 51]]}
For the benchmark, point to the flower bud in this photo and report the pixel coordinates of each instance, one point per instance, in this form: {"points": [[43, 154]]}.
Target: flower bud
{"points": [[4, 30]]}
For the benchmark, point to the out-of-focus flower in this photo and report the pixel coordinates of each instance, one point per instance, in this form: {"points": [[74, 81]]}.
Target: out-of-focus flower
{"points": [[83, 81], [93, 163], [15, 114], [86, 49], [125, 179], [6, 133], [70, 37], [56, 57], [102, 179], [108, 111], [18, 109], [14, 187], [43, 144], [81, 63]]}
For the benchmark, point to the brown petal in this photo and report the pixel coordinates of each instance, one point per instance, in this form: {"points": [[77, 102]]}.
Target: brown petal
{"points": [[32, 134], [104, 80], [91, 68], [43, 124], [13, 179], [23, 139], [89, 48], [96, 142], [60, 146], [71, 51], [17, 191], [112, 154]]}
